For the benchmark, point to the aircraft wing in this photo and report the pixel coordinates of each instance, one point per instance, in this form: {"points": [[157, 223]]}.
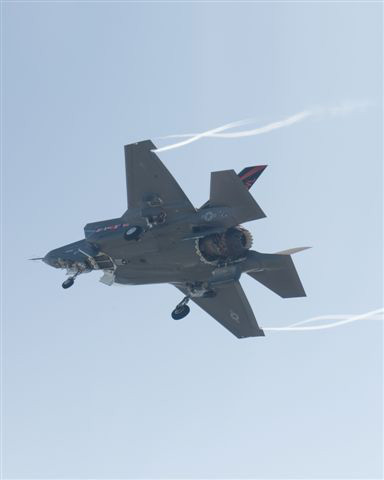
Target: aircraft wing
{"points": [[149, 183], [231, 308]]}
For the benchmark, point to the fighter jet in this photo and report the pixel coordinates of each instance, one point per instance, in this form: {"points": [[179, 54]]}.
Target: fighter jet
{"points": [[163, 238]]}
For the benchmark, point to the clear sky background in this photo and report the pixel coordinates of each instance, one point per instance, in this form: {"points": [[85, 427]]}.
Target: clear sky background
{"points": [[99, 382]]}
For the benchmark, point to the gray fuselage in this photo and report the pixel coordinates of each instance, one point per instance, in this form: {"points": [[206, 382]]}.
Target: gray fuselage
{"points": [[164, 253]]}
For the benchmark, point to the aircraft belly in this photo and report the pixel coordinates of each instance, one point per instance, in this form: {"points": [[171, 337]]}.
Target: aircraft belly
{"points": [[155, 240], [173, 262], [155, 274]]}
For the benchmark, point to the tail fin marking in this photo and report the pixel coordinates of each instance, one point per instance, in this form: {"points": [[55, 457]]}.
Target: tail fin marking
{"points": [[249, 175]]}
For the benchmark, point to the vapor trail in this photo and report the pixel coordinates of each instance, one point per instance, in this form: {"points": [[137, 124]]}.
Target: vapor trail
{"points": [[378, 316], [197, 136], [286, 122], [354, 318], [343, 109]]}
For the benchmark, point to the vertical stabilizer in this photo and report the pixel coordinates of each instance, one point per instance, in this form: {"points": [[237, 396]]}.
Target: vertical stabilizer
{"points": [[227, 190]]}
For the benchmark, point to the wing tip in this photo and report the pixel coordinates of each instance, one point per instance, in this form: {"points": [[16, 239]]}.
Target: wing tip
{"points": [[256, 333], [142, 145]]}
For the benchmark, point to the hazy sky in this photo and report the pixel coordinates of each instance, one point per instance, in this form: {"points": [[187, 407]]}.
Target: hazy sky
{"points": [[100, 382]]}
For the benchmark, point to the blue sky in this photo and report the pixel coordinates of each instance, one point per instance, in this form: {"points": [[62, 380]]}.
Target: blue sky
{"points": [[99, 382]]}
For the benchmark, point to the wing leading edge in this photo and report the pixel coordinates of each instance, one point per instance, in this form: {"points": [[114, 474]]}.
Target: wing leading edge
{"points": [[231, 308]]}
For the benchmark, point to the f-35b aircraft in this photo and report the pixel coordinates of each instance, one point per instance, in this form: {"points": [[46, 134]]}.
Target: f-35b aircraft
{"points": [[163, 238]]}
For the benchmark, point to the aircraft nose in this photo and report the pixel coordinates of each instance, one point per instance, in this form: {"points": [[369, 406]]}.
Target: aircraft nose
{"points": [[51, 259]]}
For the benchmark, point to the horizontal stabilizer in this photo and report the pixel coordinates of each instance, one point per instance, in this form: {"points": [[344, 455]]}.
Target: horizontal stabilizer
{"points": [[282, 277], [227, 190]]}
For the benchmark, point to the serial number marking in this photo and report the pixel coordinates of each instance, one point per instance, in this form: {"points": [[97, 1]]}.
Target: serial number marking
{"points": [[112, 227]]}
